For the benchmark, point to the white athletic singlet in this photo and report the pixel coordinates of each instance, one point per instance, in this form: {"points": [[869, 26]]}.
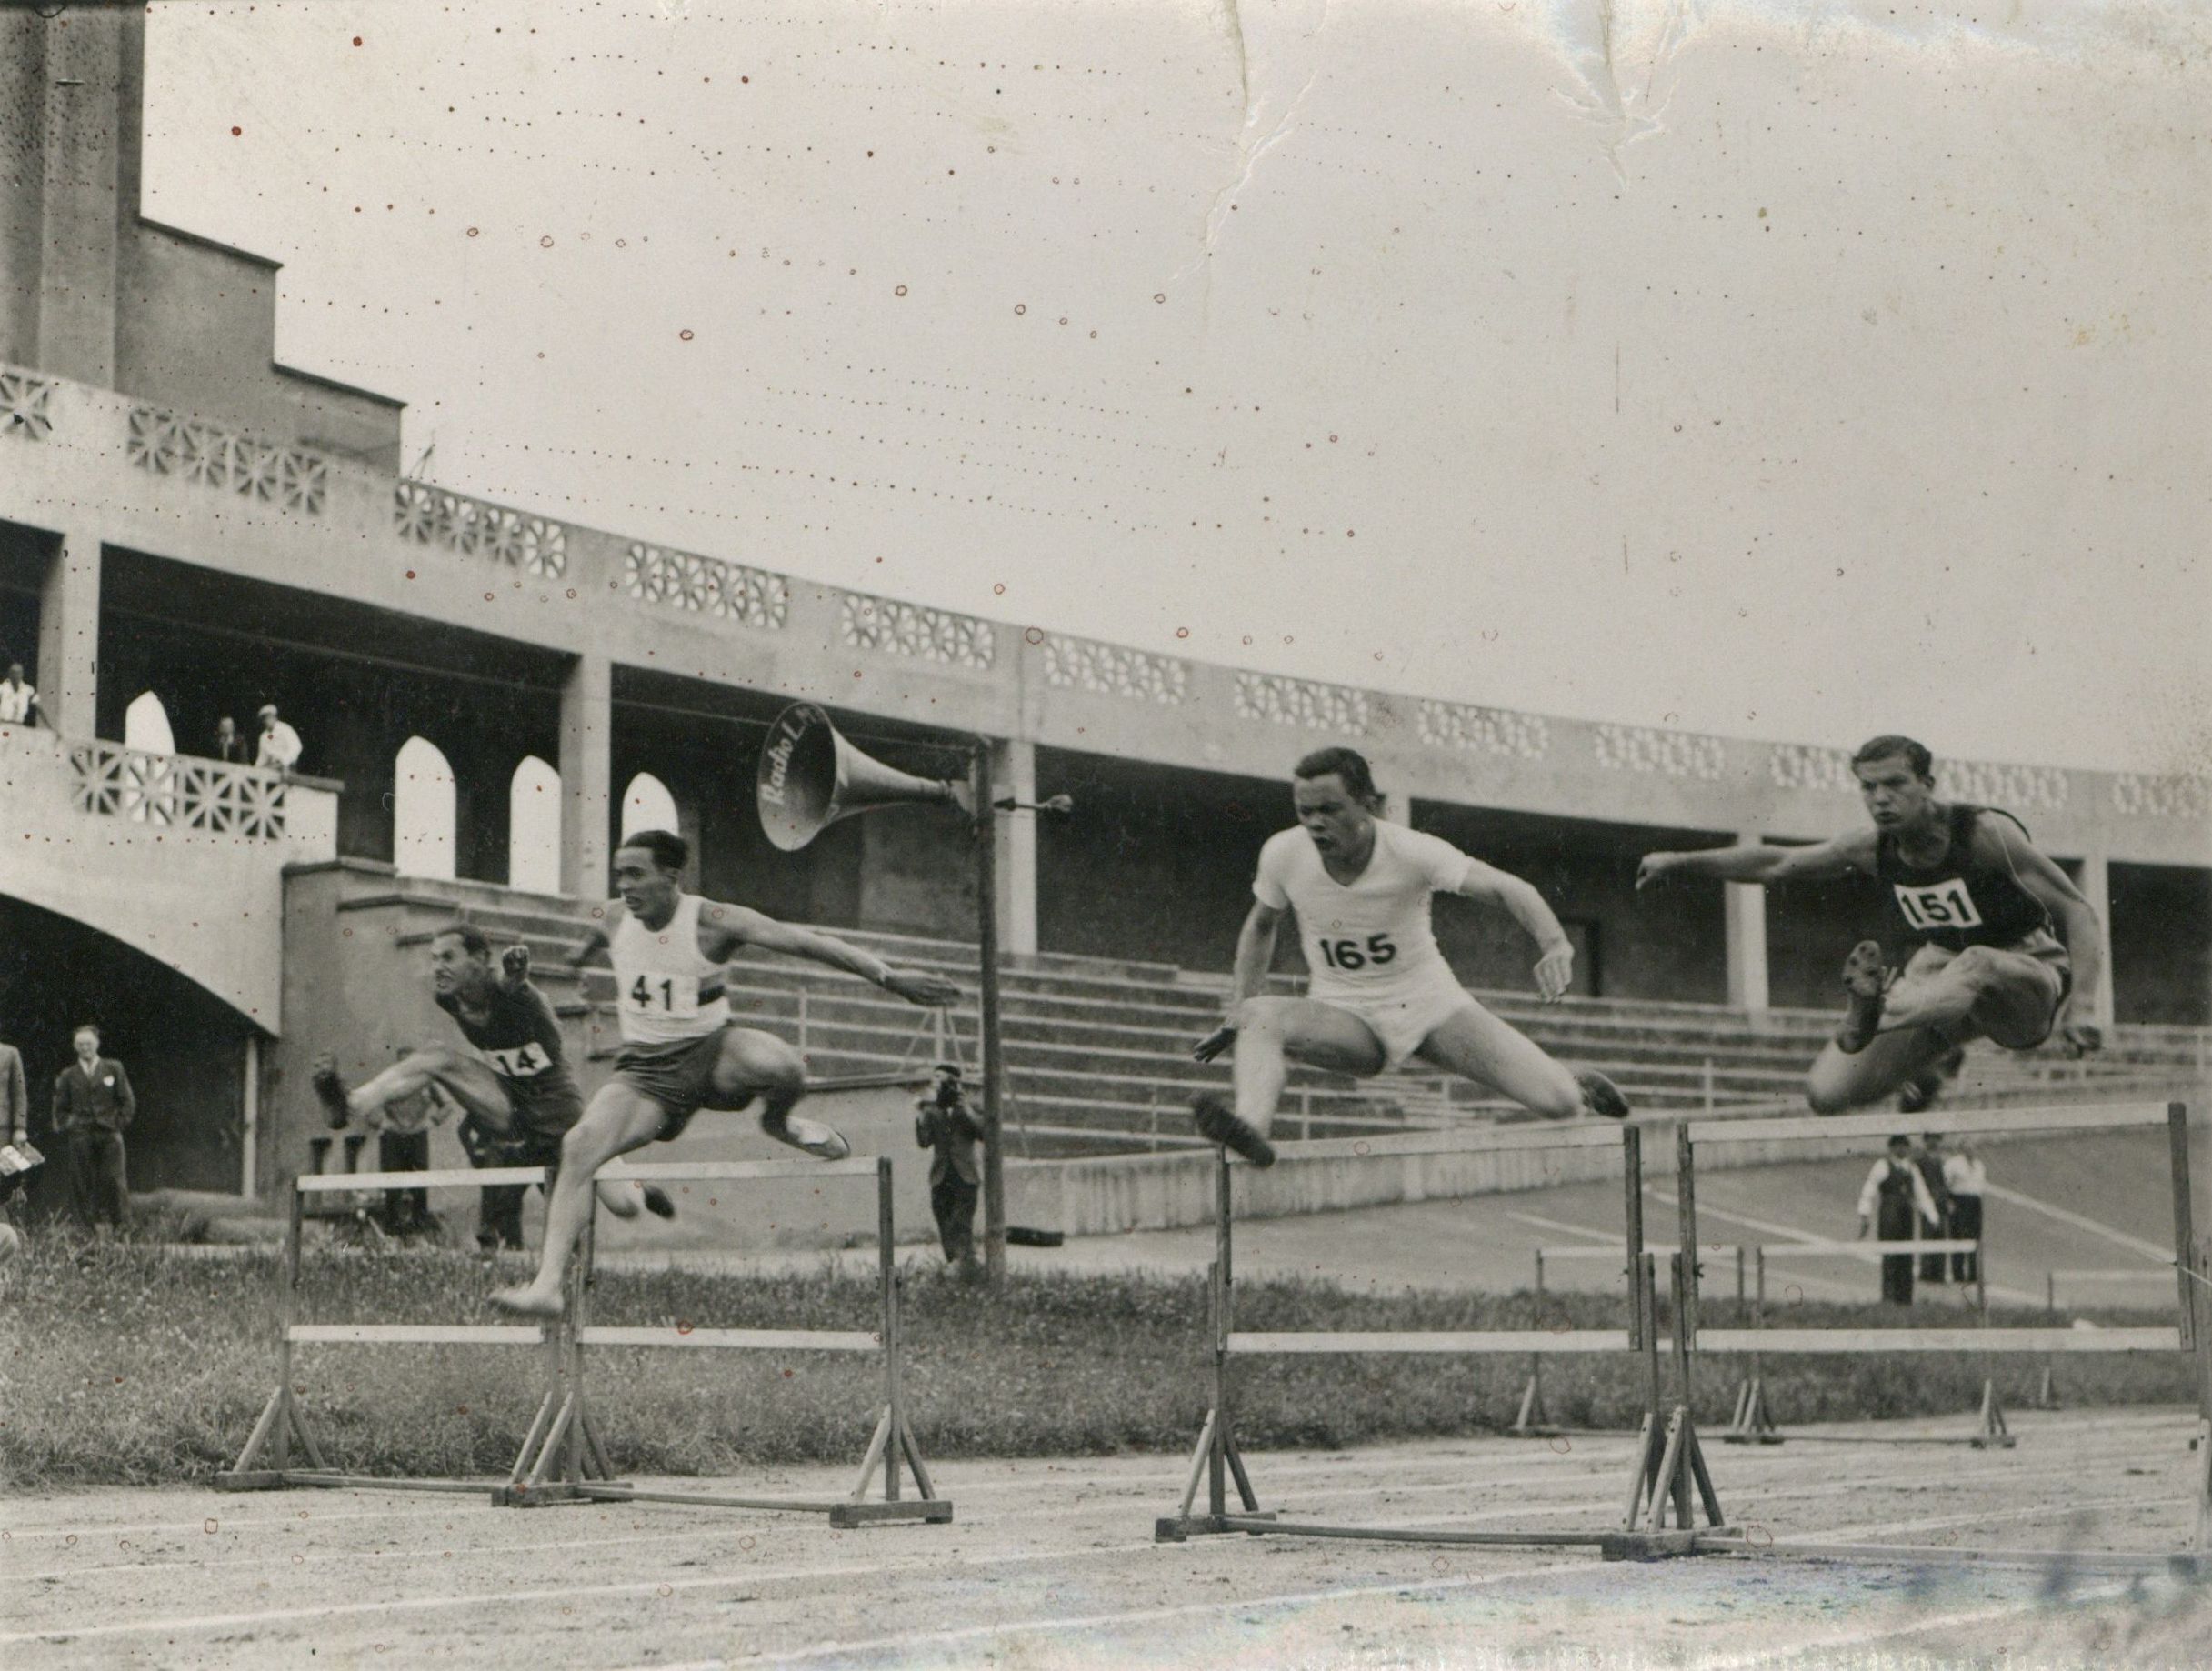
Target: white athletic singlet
{"points": [[660, 977], [1370, 941]]}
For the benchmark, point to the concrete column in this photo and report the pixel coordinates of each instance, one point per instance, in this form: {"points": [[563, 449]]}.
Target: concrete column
{"points": [[86, 110], [1013, 774], [1746, 907], [587, 764], [2095, 880], [68, 677]]}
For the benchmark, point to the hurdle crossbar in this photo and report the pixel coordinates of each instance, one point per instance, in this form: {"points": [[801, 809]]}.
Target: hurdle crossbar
{"points": [[567, 1462], [1669, 1468], [264, 1464], [2191, 1332]]}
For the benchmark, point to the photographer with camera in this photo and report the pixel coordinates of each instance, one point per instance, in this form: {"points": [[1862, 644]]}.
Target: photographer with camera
{"points": [[945, 1125]]}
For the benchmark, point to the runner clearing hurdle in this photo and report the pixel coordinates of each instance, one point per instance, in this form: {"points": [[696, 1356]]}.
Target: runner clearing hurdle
{"points": [[1380, 991]]}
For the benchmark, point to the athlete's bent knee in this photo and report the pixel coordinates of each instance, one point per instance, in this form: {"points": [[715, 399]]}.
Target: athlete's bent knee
{"points": [[1261, 1016], [1824, 1096]]}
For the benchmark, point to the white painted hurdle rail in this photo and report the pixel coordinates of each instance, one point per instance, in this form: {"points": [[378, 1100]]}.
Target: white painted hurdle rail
{"points": [[2192, 1331], [568, 1461], [1669, 1475], [265, 1462]]}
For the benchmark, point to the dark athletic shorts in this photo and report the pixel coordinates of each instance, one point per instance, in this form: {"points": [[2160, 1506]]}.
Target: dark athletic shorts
{"points": [[522, 1147], [679, 1076], [543, 1110]]}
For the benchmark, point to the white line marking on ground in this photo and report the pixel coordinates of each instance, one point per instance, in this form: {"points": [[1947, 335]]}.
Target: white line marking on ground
{"points": [[2134, 1243], [648, 1587], [1766, 1658], [976, 1633]]}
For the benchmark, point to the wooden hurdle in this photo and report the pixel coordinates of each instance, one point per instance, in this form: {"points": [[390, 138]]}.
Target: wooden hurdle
{"points": [[1531, 1420], [265, 1462], [1668, 1474], [566, 1460], [2191, 1333]]}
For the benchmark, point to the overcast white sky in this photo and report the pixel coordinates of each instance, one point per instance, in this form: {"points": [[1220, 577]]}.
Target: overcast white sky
{"points": [[1795, 372]]}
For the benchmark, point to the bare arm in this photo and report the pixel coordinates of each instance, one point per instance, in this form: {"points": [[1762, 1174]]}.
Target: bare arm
{"points": [[1254, 956], [1762, 864], [1554, 952], [735, 925], [594, 939], [2078, 925]]}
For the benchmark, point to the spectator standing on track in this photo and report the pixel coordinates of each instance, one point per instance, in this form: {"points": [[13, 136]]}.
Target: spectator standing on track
{"points": [[279, 746], [403, 1144], [93, 1106], [1929, 1158], [14, 1128], [1966, 1178], [18, 701], [1895, 1188], [943, 1125]]}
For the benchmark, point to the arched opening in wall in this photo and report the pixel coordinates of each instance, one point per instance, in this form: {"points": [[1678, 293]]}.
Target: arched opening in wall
{"points": [[145, 725], [422, 810], [183, 1048], [647, 805], [533, 827]]}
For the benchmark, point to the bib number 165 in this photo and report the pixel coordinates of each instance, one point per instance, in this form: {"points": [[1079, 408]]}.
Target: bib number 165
{"points": [[1351, 955]]}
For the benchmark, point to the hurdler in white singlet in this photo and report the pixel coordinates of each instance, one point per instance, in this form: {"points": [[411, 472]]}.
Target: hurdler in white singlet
{"points": [[659, 974], [1370, 941]]}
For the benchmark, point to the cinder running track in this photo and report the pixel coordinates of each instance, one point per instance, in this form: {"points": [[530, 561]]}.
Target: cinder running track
{"points": [[1052, 1563]]}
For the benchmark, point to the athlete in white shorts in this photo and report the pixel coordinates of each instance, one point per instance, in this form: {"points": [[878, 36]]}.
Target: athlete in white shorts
{"points": [[1380, 992]]}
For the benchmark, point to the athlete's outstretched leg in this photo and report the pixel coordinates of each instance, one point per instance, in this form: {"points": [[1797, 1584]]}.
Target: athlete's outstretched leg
{"points": [[1271, 1033], [1839, 1082], [619, 1119], [760, 1065], [1476, 1044], [463, 1078]]}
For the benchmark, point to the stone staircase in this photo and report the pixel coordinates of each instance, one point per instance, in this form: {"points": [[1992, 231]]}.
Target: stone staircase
{"points": [[1099, 1050]]}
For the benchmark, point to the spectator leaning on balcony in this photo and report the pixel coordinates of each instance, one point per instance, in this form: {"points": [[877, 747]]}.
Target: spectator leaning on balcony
{"points": [[92, 1106], [18, 701], [231, 749], [280, 745]]}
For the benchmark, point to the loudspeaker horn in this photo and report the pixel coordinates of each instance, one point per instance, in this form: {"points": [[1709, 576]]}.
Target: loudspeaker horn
{"points": [[810, 776]]}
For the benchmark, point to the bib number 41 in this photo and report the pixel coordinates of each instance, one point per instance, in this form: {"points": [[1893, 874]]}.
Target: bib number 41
{"points": [[1351, 955]]}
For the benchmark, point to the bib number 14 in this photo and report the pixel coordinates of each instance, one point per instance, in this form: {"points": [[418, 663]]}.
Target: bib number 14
{"points": [[1351, 955]]}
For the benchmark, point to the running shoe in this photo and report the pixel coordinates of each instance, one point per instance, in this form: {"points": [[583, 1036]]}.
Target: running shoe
{"points": [[1601, 1097], [1218, 1122]]}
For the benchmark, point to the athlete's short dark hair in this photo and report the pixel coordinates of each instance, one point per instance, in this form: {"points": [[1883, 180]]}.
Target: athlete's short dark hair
{"points": [[1349, 766], [1889, 747], [670, 852], [471, 937]]}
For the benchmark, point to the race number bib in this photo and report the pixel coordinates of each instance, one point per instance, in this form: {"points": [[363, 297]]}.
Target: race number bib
{"points": [[522, 1062], [1350, 956], [1946, 905], [663, 995]]}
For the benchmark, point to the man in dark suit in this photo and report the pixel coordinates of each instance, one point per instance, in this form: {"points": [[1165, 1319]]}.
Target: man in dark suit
{"points": [[943, 1125], [14, 1127], [93, 1106], [1929, 1158]]}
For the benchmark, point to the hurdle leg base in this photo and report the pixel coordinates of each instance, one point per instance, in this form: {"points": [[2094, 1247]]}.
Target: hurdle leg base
{"points": [[1664, 1546], [1181, 1528], [521, 1494], [250, 1480], [925, 1511]]}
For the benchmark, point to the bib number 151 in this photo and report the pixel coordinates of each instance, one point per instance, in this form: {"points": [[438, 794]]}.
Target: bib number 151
{"points": [[1351, 955]]}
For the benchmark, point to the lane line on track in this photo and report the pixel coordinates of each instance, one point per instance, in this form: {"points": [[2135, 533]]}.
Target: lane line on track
{"points": [[976, 1633]]}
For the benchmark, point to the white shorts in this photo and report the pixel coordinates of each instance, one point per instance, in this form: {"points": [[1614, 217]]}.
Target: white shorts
{"points": [[1402, 1017]]}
